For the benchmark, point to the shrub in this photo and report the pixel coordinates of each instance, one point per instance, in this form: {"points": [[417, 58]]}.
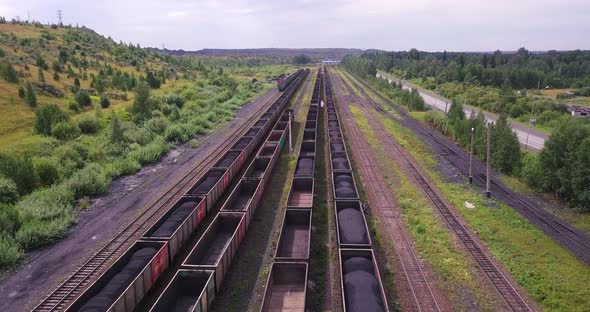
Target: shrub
{"points": [[20, 170], [8, 191], [30, 96], [157, 125], [104, 102], [10, 220], [8, 72], [74, 107], [176, 134], [47, 203], [138, 135], [89, 181], [10, 252], [65, 130], [122, 166], [116, 134], [46, 170], [532, 172], [83, 98], [174, 99], [88, 124], [46, 116], [21, 92], [69, 159], [151, 152], [37, 233]]}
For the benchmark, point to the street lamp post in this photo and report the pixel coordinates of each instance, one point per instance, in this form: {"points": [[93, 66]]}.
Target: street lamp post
{"points": [[471, 159], [488, 161]]}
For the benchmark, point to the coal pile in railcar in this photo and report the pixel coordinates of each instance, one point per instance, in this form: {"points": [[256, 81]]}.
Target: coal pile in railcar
{"points": [[344, 186], [116, 285], [175, 219], [361, 287], [352, 226], [340, 163], [208, 182], [304, 166]]}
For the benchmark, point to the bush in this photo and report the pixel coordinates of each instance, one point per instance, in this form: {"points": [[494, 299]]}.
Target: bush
{"points": [[65, 130], [151, 152], [30, 96], [37, 233], [174, 99], [532, 172], [19, 170], [122, 166], [83, 98], [89, 181], [46, 116], [74, 107], [8, 72], [8, 191], [10, 220], [157, 125], [47, 203], [46, 170], [104, 102], [21, 92], [88, 124], [176, 134], [10, 252]]}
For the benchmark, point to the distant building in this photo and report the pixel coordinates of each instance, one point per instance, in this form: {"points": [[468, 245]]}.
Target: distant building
{"points": [[580, 111]]}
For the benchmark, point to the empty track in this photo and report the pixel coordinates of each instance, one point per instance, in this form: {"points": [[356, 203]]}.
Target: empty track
{"points": [[74, 285]]}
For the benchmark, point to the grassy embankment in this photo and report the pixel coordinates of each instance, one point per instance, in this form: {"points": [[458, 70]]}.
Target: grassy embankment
{"points": [[433, 241], [551, 275]]}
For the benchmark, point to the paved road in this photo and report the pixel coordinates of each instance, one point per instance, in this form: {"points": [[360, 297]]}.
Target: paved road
{"points": [[536, 138]]}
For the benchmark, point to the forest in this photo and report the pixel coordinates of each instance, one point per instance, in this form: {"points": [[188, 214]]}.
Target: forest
{"points": [[562, 168]]}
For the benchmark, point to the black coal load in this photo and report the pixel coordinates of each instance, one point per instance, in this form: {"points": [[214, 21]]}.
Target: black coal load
{"points": [[304, 167], [344, 186], [340, 163], [361, 288], [228, 159], [175, 219], [241, 144], [107, 295], [351, 225], [335, 134], [337, 147], [252, 132], [333, 124], [208, 182]]}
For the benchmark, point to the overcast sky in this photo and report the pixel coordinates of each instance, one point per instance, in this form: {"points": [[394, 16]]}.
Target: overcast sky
{"points": [[453, 25]]}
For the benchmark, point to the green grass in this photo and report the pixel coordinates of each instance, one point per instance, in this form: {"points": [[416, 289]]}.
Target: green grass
{"points": [[552, 276], [433, 240]]}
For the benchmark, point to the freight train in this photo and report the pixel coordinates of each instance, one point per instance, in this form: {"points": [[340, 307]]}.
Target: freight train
{"points": [[131, 277], [362, 289]]}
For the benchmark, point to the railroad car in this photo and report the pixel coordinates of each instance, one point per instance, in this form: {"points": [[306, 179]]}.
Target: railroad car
{"points": [[127, 281], [245, 198], [301, 194], [283, 83], [309, 135], [189, 290], [258, 170], [246, 145], [305, 166], [278, 136], [361, 285], [286, 288], [211, 186], [270, 150], [295, 237], [307, 148], [218, 245], [339, 161], [351, 225], [178, 224]]}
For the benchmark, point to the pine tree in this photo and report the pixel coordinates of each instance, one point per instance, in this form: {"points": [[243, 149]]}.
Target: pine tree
{"points": [[116, 130]]}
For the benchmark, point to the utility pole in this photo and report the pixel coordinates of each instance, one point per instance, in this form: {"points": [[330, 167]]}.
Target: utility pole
{"points": [[471, 159], [528, 132], [290, 112], [59, 17], [488, 161]]}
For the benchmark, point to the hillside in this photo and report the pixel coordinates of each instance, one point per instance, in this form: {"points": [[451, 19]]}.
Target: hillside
{"points": [[316, 54], [100, 65], [80, 110]]}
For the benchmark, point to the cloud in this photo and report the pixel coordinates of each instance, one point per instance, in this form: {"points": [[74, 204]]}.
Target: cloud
{"points": [[384, 24]]}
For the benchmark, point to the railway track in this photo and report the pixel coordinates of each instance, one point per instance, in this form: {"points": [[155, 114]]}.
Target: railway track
{"points": [[500, 282], [574, 240], [418, 284], [91, 269]]}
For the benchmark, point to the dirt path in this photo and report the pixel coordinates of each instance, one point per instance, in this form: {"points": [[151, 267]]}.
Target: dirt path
{"points": [[43, 270], [495, 276], [414, 280]]}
